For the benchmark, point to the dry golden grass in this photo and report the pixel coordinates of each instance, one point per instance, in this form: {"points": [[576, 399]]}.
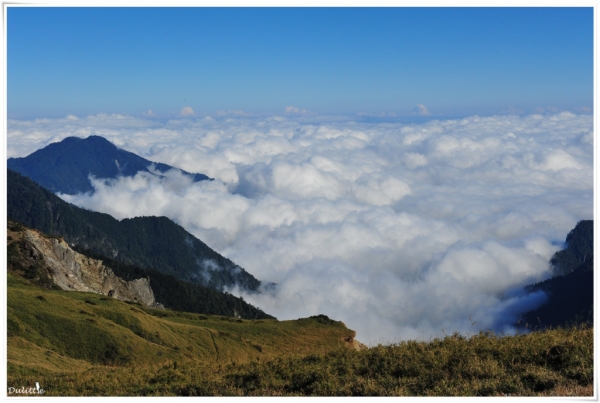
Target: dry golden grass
{"points": [[30, 355], [77, 344]]}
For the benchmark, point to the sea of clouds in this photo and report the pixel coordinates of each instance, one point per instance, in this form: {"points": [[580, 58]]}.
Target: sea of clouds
{"points": [[399, 230]]}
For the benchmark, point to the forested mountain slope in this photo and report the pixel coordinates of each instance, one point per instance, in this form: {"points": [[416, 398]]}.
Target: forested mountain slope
{"points": [[181, 295], [48, 262], [579, 248], [571, 291], [149, 242]]}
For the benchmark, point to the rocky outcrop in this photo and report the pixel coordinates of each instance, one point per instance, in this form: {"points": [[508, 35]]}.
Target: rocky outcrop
{"points": [[73, 271], [354, 344]]}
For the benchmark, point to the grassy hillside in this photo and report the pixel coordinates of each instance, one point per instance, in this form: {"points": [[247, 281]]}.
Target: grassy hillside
{"points": [[85, 344], [74, 330]]}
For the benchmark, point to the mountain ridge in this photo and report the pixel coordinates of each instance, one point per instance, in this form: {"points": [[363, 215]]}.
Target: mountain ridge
{"points": [[571, 291], [66, 166], [149, 242]]}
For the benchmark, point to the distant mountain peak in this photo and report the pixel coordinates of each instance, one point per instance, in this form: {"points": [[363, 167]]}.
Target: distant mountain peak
{"points": [[66, 166]]}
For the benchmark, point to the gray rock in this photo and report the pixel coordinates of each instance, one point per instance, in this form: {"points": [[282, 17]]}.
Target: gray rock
{"points": [[75, 272]]}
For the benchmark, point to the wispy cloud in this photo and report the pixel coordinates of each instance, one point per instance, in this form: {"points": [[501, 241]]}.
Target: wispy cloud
{"points": [[400, 231], [421, 110], [236, 113], [292, 110], [378, 114]]}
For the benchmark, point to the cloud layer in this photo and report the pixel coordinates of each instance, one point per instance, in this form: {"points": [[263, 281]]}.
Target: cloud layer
{"points": [[401, 231]]}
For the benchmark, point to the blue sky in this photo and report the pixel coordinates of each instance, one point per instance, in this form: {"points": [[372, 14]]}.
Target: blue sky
{"points": [[454, 61]]}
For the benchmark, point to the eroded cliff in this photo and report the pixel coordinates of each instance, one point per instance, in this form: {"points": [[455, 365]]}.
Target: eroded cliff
{"points": [[41, 256]]}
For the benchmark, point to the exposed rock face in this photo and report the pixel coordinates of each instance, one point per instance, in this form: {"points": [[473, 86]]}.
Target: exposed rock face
{"points": [[75, 272]]}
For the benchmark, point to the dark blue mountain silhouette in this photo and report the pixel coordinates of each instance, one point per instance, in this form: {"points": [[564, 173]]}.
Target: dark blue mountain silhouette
{"points": [[571, 291], [65, 167]]}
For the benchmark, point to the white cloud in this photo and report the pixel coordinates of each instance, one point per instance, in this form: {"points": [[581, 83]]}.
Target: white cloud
{"points": [[222, 113], [187, 111], [400, 231], [421, 110], [414, 160], [292, 110]]}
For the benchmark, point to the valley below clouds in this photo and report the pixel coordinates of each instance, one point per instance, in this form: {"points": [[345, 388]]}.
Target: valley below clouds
{"points": [[401, 231]]}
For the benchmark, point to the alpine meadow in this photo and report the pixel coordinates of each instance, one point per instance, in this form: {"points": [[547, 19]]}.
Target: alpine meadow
{"points": [[299, 201]]}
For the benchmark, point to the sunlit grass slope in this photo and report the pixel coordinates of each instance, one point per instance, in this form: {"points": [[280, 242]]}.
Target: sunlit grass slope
{"points": [[85, 344], [65, 331]]}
